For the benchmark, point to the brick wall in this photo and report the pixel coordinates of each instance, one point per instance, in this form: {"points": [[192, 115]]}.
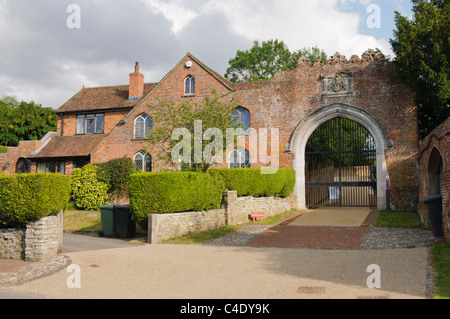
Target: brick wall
{"points": [[122, 142], [292, 95], [23, 150], [288, 98], [438, 139], [112, 118]]}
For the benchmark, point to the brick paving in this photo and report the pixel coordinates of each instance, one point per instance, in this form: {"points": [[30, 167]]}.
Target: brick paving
{"points": [[314, 237], [9, 265]]}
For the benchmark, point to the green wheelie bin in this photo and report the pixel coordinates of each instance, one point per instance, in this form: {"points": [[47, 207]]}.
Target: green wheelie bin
{"points": [[108, 221]]}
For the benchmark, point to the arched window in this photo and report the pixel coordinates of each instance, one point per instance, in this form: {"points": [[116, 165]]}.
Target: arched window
{"points": [[189, 85], [241, 117], [240, 158], [143, 161], [143, 126]]}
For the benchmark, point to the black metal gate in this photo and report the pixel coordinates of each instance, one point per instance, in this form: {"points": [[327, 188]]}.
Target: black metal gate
{"points": [[340, 165]]}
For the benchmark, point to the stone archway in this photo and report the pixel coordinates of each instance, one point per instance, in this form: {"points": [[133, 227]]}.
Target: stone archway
{"points": [[311, 122]]}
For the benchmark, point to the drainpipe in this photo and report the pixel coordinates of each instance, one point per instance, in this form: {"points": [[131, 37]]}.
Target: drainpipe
{"points": [[62, 124], [388, 204]]}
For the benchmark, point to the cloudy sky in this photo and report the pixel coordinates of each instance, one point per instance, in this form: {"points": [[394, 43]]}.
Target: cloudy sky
{"points": [[48, 51]]}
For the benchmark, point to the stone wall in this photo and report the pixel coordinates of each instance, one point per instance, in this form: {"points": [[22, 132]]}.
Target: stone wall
{"points": [[235, 211], [166, 226], [40, 240], [239, 208]]}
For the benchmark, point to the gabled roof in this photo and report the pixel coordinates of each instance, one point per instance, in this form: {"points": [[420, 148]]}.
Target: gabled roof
{"points": [[69, 146], [216, 75], [102, 98]]}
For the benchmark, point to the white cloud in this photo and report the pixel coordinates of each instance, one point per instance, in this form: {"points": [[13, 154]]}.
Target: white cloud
{"points": [[174, 11], [299, 23], [45, 61]]}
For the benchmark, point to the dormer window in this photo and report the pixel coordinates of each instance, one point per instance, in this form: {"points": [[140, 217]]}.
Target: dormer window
{"points": [[189, 85], [90, 123]]}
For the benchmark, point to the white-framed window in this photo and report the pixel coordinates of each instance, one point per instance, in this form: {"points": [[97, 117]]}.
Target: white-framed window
{"points": [[241, 117], [143, 161], [240, 158], [51, 167], [189, 85], [143, 125], [90, 123]]}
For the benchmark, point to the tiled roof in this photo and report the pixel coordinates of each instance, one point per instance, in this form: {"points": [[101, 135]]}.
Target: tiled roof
{"points": [[101, 98], [69, 146]]}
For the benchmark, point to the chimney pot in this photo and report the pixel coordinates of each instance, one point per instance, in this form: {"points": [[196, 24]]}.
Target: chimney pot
{"points": [[136, 87]]}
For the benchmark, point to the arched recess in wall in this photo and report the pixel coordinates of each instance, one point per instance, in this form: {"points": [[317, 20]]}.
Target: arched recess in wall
{"points": [[300, 136], [435, 170], [23, 166]]}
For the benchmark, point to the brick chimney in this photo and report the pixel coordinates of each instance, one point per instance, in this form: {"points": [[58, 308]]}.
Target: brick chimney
{"points": [[136, 89]]}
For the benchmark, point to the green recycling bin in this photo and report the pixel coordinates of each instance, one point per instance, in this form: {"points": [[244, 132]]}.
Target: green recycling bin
{"points": [[108, 221]]}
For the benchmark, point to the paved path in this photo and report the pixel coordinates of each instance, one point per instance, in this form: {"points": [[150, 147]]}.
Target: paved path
{"points": [[200, 271], [113, 268]]}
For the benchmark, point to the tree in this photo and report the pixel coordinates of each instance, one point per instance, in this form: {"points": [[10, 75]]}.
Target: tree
{"points": [[20, 121], [261, 62], [422, 59], [177, 124]]}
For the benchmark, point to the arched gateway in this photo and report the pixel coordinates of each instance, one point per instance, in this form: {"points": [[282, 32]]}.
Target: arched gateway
{"points": [[378, 143]]}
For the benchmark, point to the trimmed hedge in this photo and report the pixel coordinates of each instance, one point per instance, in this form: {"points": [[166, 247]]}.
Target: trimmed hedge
{"points": [[250, 181], [173, 192], [29, 197]]}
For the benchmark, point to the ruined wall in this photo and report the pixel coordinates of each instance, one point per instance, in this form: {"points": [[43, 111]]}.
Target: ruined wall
{"points": [[438, 140], [372, 86]]}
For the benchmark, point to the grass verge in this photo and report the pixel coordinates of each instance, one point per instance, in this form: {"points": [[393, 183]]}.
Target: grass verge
{"points": [[201, 237], [440, 256], [398, 219], [205, 236]]}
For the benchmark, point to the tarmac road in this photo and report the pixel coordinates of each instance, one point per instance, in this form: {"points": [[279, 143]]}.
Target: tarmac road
{"points": [[168, 271]]}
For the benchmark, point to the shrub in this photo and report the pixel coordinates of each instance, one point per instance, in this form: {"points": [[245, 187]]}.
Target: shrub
{"points": [[116, 173], [3, 149], [29, 197], [172, 192], [87, 191], [250, 181]]}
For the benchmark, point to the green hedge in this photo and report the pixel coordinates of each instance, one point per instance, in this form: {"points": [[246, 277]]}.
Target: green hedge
{"points": [[250, 181], [173, 192], [29, 197]]}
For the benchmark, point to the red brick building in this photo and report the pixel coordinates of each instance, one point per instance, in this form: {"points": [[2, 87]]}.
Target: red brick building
{"points": [[434, 172], [103, 123]]}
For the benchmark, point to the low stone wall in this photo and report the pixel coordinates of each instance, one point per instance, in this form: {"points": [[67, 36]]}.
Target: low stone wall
{"points": [[166, 226], [238, 209], [40, 240], [235, 211]]}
